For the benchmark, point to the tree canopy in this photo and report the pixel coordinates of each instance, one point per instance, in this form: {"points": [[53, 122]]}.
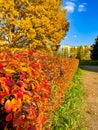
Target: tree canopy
{"points": [[94, 51], [34, 23]]}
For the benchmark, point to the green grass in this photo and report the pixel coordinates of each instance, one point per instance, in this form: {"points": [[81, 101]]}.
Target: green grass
{"points": [[69, 115]]}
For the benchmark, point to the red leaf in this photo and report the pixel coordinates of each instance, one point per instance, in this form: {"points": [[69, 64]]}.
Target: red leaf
{"points": [[22, 76], [20, 93], [3, 93], [30, 52], [9, 117], [32, 128], [9, 82], [21, 83], [16, 55], [1, 66]]}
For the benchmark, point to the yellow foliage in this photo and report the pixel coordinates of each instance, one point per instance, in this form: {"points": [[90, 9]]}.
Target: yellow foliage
{"points": [[38, 23], [9, 70]]}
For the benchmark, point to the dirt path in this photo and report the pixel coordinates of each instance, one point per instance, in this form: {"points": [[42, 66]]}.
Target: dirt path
{"points": [[90, 85]]}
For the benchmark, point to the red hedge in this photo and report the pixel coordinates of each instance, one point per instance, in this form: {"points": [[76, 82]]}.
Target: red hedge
{"points": [[32, 86]]}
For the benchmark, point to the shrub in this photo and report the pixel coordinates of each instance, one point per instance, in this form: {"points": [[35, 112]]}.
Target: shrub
{"points": [[33, 85]]}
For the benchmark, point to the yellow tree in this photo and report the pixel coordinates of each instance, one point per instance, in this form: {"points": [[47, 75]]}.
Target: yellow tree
{"points": [[33, 23]]}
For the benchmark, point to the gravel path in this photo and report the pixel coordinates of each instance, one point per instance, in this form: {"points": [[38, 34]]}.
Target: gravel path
{"points": [[90, 85]]}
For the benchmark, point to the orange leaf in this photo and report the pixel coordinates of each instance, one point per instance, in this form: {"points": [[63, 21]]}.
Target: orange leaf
{"points": [[9, 117]]}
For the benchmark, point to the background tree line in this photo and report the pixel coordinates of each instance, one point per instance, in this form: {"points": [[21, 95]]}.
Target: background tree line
{"points": [[94, 50], [80, 52], [88, 52]]}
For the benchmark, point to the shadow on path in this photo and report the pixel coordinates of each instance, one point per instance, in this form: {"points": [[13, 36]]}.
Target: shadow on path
{"points": [[89, 68]]}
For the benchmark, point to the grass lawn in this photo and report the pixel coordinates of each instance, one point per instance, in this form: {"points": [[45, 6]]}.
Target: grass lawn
{"points": [[69, 115]]}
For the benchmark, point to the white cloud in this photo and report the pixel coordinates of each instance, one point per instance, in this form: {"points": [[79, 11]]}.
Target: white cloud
{"points": [[82, 7], [70, 6]]}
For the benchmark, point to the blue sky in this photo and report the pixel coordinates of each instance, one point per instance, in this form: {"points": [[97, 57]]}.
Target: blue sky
{"points": [[83, 18]]}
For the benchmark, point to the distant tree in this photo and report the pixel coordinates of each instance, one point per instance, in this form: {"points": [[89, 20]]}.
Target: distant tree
{"points": [[73, 52], [35, 23], [94, 51], [79, 52], [87, 53]]}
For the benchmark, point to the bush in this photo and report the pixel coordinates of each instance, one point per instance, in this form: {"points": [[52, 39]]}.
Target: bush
{"points": [[33, 85]]}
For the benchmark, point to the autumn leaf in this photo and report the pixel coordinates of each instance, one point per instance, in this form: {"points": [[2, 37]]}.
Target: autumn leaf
{"points": [[19, 103], [2, 100], [22, 76], [9, 82], [8, 106], [3, 93], [1, 66], [8, 75], [25, 69], [32, 128], [14, 103], [16, 56], [9, 117], [30, 52], [9, 70], [20, 93], [6, 88]]}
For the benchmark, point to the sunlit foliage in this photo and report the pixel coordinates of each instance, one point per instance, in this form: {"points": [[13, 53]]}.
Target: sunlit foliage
{"points": [[33, 23], [32, 87]]}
